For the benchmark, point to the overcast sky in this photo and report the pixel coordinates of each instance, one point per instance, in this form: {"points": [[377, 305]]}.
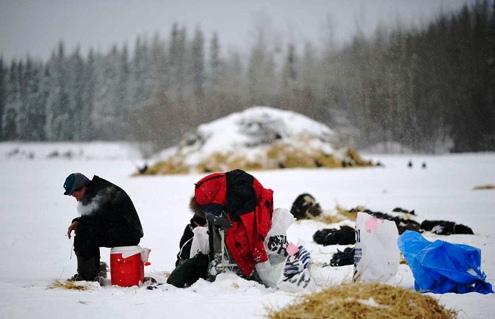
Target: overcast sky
{"points": [[35, 26]]}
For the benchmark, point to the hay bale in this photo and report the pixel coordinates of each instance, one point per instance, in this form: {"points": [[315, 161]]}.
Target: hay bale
{"points": [[327, 160], [276, 156], [281, 155], [173, 165], [364, 301], [218, 162]]}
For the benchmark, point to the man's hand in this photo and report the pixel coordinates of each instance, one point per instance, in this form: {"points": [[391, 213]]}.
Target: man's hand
{"points": [[72, 227]]}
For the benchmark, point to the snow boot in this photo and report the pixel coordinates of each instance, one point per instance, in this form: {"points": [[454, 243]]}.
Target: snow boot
{"points": [[87, 269], [75, 277]]}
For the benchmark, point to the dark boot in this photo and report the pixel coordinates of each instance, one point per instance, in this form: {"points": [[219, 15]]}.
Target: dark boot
{"points": [[88, 268], [189, 271]]}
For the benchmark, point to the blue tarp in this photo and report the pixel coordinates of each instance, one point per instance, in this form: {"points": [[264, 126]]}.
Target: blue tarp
{"points": [[442, 267]]}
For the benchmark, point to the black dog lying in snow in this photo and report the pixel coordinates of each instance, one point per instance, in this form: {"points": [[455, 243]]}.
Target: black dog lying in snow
{"points": [[305, 206], [343, 258], [346, 235], [444, 227], [403, 224], [439, 227], [332, 236]]}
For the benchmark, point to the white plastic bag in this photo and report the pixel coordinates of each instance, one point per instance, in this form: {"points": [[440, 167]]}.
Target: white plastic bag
{"points": [[271, 271], [200, 242], [376, 257]]}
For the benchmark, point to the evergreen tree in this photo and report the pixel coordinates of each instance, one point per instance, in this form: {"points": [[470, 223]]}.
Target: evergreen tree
{"points": [[289, 73], [233, 84], [177, 63], [214, 65], [87, 95], [58, 101], [105, 107], [13, 103], [261, 72], [33, 104], [77, 85], [3, 89], [140, 75], [22, 108], [10, 125], [198, 65], [160, 74], [292, 94], [122, 99]]}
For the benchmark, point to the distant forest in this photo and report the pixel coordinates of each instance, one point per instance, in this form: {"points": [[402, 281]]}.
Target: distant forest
{"points": [[428, 88]]}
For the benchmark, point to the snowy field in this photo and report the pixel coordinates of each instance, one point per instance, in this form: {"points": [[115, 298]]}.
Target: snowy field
{"points": [[34, 216]]}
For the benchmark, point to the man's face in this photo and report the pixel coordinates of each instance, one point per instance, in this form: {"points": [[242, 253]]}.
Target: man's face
{"points": [[78, 194]]}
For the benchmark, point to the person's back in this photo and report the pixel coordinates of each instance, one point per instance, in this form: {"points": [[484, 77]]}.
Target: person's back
{"points": [[116, 215]]}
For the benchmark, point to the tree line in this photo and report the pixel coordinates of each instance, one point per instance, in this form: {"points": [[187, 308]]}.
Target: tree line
{"points": [[427, 87]]}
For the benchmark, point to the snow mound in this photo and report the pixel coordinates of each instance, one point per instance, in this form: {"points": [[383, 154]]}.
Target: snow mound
{"points": [[260, 137]]}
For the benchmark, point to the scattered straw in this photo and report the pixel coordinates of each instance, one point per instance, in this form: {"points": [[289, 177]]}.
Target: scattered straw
{"points": [[364, 301], [484, 187], [340, 215], [69, 285], [350, 213], [329, 219]]}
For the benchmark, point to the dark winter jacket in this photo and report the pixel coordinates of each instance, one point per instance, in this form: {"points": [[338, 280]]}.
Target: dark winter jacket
{"points": [[108, 217], [248, 205], [186, 239]]}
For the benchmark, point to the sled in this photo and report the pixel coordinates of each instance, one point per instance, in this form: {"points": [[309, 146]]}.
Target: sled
{"points": [[219, 258]]}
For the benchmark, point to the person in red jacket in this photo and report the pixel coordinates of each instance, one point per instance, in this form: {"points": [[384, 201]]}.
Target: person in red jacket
{"points": [[248, 206]]}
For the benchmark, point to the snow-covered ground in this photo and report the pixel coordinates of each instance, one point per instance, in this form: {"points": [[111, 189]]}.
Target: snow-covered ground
{"points": [[34, 216]]}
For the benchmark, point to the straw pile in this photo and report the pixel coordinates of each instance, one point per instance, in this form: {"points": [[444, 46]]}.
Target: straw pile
{"points": [[70, 285], [364, 301], [340, 214], [484, 187], [276, 156]]}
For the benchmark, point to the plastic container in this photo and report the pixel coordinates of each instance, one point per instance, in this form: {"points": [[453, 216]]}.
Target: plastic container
{"points": [[127, 265]]}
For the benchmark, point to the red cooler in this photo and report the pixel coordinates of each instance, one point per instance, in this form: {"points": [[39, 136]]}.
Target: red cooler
{"points": [[126, 266]]}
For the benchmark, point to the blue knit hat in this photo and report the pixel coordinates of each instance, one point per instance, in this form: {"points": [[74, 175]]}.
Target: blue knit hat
{"points": [[75, 181]]}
